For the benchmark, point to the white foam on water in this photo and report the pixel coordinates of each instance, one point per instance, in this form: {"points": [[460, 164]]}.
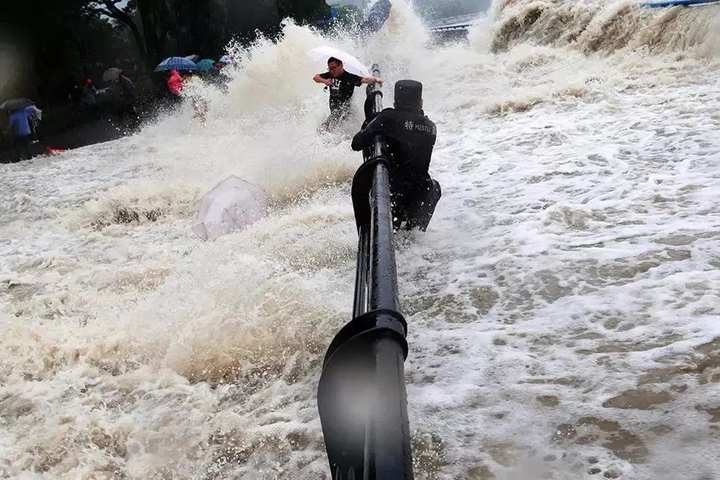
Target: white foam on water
{"points": [[562, 307]]}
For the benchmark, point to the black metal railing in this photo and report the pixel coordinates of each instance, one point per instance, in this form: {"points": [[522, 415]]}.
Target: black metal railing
{"points": [[361, 397]]}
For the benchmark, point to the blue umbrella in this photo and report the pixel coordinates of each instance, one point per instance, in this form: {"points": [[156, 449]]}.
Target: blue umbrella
{"points": [[205, 65], [175, 63]]}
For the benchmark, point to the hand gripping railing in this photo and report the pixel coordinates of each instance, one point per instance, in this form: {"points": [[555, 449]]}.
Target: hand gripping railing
{"points": [[361, 397]]}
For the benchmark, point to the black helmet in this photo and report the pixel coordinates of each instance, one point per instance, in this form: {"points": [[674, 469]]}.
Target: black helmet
{"points": [[408, 95]]}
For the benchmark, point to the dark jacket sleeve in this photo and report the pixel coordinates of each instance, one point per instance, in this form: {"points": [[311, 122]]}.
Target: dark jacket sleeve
{"points": [[365, 137]]}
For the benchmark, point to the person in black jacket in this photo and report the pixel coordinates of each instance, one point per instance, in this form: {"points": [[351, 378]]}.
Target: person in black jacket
{"points": [[410, 136]]}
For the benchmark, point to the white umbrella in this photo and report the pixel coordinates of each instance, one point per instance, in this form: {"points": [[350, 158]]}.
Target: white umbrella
{"points": [[112, 74], [231, 206], [350, 63]]}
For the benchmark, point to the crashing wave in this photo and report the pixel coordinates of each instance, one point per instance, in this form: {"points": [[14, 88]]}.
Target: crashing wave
{"points": [[605, 27]]}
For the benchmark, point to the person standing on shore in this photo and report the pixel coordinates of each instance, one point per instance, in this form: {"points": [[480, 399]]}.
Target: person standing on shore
{"points": [[175, 84], [88, 99], [22, 133], [34, 119], [123, 94]]}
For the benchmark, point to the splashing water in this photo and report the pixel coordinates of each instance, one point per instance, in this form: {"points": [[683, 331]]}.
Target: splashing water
{"points": [[563, 306]]}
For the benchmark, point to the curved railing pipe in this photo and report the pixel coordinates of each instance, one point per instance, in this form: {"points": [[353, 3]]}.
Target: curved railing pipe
{"points": [[361, 397]]}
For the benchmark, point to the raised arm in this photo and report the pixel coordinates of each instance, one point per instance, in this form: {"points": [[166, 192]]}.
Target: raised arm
{"points": [[320, 79]]}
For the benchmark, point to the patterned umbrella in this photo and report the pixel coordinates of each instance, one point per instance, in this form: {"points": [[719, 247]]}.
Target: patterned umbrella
{"points": [[176, 63], [16, 104]]}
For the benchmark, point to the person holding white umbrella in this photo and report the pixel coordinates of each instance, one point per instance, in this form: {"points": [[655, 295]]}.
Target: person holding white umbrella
{"points": [[344, 73]]}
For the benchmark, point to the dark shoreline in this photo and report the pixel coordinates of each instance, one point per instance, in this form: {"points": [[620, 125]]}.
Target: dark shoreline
{"points": [[89, 133]]}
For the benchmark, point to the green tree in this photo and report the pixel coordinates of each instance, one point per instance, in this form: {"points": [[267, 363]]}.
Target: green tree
{"points": [[147, 20], [303, 10], [71, 39], [63, 40]]}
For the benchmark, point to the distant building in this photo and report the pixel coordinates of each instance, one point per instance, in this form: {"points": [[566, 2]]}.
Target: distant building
{"points": [[361, 4], [437, 10]]}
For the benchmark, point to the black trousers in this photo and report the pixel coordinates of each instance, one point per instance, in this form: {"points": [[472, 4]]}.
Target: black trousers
{"points": [[414, 204], [338, 114], [22, 148]]}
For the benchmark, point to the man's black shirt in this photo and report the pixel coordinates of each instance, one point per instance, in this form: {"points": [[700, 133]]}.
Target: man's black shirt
{"points": [[342, 89]]}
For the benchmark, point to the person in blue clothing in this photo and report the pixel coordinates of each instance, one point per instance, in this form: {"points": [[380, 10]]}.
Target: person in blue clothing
{"points": [[34, 118], [22, 133]]}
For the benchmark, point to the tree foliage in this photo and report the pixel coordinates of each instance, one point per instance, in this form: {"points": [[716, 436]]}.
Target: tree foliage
{"points": [[61, 41], [306, 10], [164, 27], [67, 40]]}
